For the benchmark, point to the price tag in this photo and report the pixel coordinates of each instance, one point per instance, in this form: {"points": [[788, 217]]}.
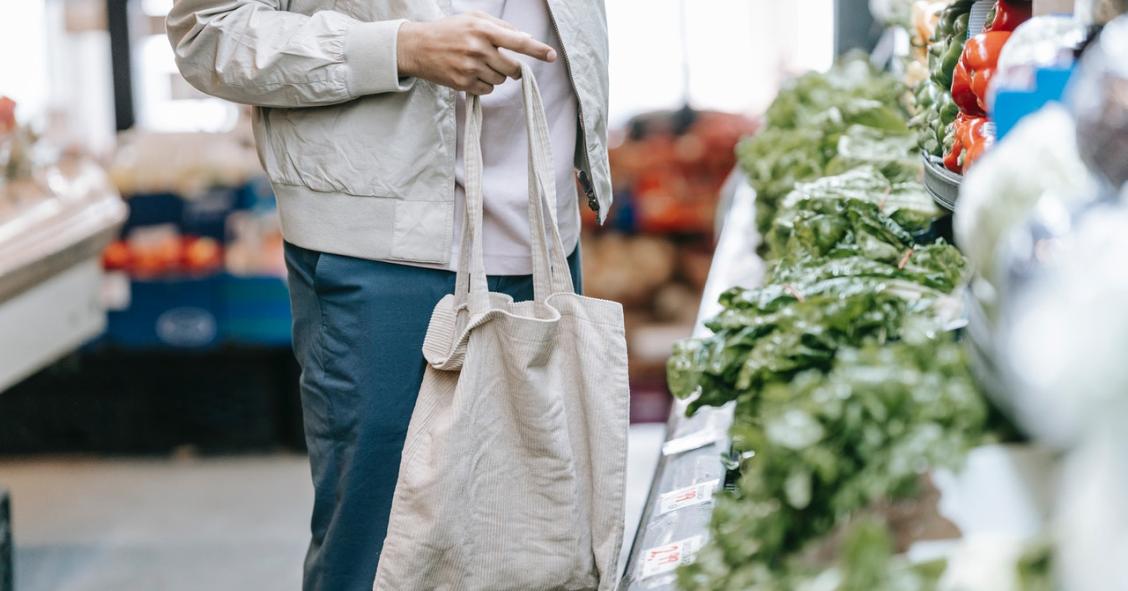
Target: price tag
{"points": [[695, 494], [664, 559], [707, 431], [707, 436]]}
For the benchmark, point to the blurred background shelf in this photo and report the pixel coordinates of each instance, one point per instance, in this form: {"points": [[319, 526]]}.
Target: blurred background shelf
{"points": [[50, 277]]}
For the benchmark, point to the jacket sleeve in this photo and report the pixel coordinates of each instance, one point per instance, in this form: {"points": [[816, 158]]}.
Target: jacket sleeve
{"points": [[253, 52]]}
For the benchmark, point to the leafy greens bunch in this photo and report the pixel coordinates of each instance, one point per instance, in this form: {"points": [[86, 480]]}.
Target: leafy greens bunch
{"points": [[824, 124], [825, 447], [847, 386], [847, 275], [850, 239]]}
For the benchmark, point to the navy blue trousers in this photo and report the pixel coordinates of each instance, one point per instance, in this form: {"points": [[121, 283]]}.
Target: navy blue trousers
{"points": [[358, 334]]}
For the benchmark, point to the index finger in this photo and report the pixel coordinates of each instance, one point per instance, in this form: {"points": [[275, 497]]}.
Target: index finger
{"points": [[523, 43]]}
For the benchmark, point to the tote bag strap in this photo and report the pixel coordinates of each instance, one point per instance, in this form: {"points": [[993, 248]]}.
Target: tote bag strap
{"points": [[550, 264], [470, 284]]}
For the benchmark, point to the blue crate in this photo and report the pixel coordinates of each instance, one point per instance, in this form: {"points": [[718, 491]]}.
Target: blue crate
{"points": [[256, 194], [176, 313], [153, 209], [201, 215], [256, 311], [206, 214]]}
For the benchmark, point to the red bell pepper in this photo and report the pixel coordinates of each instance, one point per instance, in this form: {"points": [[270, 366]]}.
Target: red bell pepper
{"points": [[977, 139], [974, 71], [952, 158], [972, 138], [1009, 14]]}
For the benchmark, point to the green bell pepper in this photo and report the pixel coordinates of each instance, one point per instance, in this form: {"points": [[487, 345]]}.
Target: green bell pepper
{"points": [[951, 56]]}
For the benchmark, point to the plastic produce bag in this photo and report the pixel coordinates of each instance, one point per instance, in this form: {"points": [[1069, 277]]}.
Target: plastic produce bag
{"points": [[1098, 99], [1003, 188], [1041, 42], [1099, 12], [1064, 332]]}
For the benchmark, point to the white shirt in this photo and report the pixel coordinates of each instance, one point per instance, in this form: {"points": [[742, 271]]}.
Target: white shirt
{"points": [[505, 147]]}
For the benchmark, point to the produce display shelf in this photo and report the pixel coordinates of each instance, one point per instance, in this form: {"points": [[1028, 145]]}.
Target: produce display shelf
{"points": [[50, 277], [942, 184], [675, 519]]}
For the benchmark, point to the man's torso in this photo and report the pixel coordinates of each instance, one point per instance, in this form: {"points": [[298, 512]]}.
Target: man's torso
{"points": [[505, 148], [375, 178]]}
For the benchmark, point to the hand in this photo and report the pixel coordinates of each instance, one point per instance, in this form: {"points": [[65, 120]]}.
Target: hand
{"points": [[464, 51]]}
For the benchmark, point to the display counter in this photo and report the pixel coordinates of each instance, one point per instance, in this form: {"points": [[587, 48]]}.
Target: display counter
{"points": [[675, 520], [50, 271]]}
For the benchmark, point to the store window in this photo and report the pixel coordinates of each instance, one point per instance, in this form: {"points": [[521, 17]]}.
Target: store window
{"points": [[23, 75], [165, 101], [727, 55], [56, 66]]}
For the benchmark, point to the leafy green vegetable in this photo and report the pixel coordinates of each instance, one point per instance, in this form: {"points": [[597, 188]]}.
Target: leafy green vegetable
{"points": [[769, 335], [846, 275], [868, 563], [846, 386], [938, 266], [825, 123], [833, 239], [895, 156], [906, 203], [804, 101], [828, 445], [1035, 568], [776, 159]]}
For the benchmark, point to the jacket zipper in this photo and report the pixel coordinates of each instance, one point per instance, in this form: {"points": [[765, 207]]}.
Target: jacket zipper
{"points": [[585, 179]]}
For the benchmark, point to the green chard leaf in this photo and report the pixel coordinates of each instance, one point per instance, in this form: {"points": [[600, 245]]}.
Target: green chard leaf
{"points": [[827, 446]]}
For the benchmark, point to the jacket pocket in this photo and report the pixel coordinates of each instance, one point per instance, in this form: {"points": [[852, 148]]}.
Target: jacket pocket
{"points": [[415, 229]]}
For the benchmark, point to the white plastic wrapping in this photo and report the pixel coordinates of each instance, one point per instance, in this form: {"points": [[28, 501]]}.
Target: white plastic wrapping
{"points": [[1092, 525], [1098, 99], [1042, 41], [999, 192], [1099, 12], [1065, 332]]}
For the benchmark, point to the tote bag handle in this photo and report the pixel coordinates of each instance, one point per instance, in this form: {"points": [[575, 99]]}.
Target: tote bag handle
{"points": [[550, 263]]}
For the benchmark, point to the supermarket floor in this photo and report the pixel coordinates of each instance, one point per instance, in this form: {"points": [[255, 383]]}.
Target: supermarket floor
{"points": [[232, 523]]}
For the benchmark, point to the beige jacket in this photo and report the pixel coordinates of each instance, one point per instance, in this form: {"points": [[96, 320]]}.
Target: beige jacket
{"points": [[362, 161]]}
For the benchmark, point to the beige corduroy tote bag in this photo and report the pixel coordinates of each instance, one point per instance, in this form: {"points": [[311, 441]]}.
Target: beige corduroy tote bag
{"points": [[513, 473]]}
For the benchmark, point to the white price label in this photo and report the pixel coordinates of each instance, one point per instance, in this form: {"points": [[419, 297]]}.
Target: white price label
{"points": [[707, 431], [664, 559], [707, 436], [695, 494]]}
